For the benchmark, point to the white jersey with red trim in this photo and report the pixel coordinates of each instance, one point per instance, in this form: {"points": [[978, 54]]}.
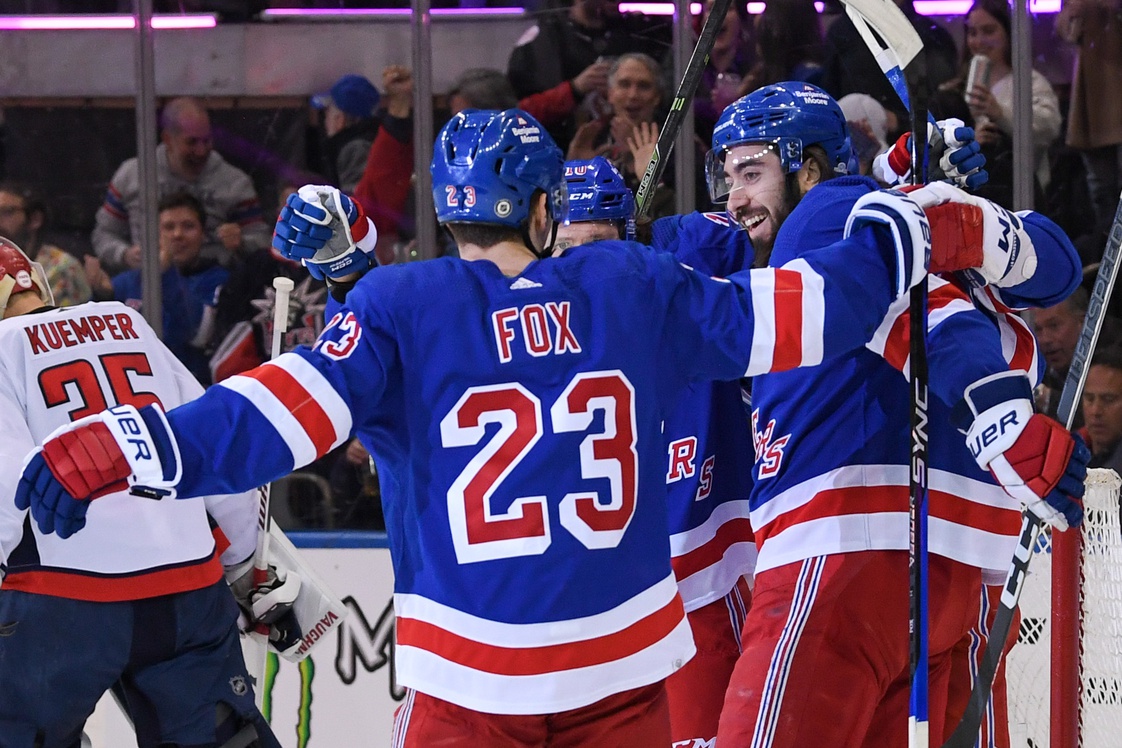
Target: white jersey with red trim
{"points": [[516, 426], [832, 442], [708, 440], [63, 364]]}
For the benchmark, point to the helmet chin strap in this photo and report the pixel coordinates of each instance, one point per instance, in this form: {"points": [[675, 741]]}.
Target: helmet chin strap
{"points": [[547, 250]]}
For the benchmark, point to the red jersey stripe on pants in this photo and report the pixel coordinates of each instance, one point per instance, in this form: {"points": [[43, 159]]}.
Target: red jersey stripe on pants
{"points": [[639, 717], [697, 690], [825, 660], [967, 658]]}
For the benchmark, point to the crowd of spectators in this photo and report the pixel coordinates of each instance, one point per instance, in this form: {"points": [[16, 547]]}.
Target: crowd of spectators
{"points": [[601, 82]]}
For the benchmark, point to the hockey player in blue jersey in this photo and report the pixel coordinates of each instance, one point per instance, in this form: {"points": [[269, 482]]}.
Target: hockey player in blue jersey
{"points": [[708, 453], [825, 658], [513, 405]]}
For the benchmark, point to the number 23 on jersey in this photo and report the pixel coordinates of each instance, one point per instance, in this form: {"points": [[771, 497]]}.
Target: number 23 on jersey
{"points": [[480, 533]]}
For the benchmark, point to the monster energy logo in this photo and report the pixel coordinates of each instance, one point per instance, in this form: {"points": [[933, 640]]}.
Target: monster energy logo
{"points": [[359, 643]]}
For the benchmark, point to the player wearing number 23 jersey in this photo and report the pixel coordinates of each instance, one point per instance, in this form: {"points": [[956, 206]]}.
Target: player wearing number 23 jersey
{"points": [[515, 420]]}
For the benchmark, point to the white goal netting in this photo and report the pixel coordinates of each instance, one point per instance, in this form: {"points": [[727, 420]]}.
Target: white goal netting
{"points": [[1029, 664]]}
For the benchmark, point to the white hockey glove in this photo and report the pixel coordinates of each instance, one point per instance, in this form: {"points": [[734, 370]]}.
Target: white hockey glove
{"points": [[911, 234], [953, 155], [327, 231], [268, 603], [1035, 459], [984, 240]]}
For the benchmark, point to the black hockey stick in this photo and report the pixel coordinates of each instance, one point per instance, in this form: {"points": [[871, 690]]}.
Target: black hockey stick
{"points": [[899, 53], [966, 734], [644, 195]]}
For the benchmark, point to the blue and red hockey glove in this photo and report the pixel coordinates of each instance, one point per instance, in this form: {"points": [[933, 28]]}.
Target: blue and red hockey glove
{"points": [[101, 454], [1035, 459], [327, 231], [954, 155]]}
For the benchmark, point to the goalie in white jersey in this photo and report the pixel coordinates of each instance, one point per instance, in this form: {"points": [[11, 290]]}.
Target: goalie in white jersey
{"points": [[139, 600]]}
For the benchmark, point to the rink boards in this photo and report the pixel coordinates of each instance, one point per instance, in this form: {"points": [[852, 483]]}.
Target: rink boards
{"points": [[344, 695]]}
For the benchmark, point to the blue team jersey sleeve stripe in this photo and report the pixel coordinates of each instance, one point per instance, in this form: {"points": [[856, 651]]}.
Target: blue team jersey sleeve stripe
{"points": [[214, 432], [763, 310], [301, 404], [813, 300]]}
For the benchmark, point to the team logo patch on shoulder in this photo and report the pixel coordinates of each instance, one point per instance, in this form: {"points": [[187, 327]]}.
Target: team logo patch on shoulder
{"points": [[524, 283]]}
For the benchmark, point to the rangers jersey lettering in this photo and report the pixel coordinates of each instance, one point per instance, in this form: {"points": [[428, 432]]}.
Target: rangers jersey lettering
{"points": [[523, 495], [64, 364], [709, 471], [842, 483]]}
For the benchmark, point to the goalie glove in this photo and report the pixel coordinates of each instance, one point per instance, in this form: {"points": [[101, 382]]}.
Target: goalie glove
{"points": [[911, 234], [953, 153], [327, 231], [117, 449], [269, 603], [1031, 456]]}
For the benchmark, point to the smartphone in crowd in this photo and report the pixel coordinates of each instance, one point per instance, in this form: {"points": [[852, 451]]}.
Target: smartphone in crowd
{"points": [[979, 73]]}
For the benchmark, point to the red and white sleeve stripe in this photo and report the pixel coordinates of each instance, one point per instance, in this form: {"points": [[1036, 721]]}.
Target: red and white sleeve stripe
{"points": [[1017, 341], [299, 402], [891, 340], [789, 308]]}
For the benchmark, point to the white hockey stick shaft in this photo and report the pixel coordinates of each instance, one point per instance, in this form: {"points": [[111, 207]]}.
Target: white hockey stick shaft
{"points": [[282, 291], [282, 288]]}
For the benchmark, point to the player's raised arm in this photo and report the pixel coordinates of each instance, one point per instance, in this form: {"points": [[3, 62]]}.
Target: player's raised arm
{"points": [[245, 431]]}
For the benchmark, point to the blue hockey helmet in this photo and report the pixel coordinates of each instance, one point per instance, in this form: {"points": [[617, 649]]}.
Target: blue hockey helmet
{"points": [[487, 164], [788, 116], [597, 191]]}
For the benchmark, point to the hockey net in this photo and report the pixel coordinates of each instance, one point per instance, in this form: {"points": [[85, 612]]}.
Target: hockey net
{"points": [[1077, 624]]}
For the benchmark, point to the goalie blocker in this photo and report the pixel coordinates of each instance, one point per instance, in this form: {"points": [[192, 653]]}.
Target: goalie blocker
{"points": [[300, 609]]}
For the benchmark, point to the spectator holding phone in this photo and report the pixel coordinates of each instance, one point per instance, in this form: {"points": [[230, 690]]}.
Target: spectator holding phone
{"points": [[988, 34]]}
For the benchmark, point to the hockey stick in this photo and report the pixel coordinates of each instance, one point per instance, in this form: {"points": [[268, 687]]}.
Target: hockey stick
{"points": [[644, 195], [903, 62], [966, 733], [282, 289]]}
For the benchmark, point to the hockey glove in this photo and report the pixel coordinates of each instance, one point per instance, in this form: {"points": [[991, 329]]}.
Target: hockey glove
{"points": [[984, 240], [268, 603], [911, 235], [327, 231], [1031, 456], [953, 153], [117, 449]]}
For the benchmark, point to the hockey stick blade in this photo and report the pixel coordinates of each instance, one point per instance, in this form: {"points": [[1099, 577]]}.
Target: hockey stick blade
{"points": [[888, 58], [683, 97], [966, 734], [893, 27]]}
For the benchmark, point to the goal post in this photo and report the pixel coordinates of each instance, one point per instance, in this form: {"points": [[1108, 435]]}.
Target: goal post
{"points": [[1065, 673]]}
